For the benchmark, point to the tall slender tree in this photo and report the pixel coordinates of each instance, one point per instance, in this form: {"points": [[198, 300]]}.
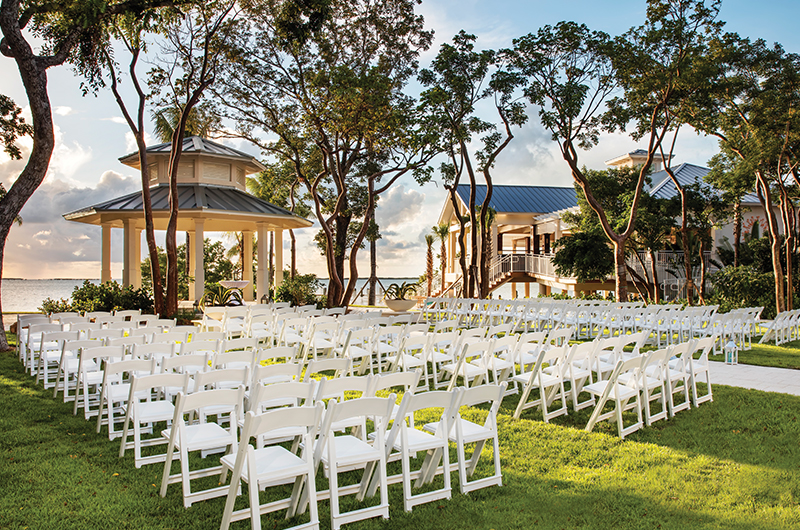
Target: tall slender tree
{"points": [[442, 232]]}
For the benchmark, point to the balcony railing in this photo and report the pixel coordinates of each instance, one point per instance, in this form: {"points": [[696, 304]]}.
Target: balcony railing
{"points": [[669, 267]]}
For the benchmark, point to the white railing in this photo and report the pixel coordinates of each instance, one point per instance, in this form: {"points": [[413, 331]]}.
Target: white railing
{"points": [[503, 264]]}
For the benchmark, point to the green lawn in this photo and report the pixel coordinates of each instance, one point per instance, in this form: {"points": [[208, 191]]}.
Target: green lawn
{"points": [[784, 356], [733, 463]]}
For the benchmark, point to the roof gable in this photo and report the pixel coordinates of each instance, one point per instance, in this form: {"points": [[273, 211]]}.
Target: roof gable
{"points": [[686, 174]]}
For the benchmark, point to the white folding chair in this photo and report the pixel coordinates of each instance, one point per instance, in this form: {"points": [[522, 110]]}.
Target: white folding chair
{"points": [[50, 355], [149, 403], [114, 392], [550, 385], [471, 364], [185, 438], [406, 440], [348, 452], [465, 432], [89, 380], [273, 466], [624, 397], [699, 367]]}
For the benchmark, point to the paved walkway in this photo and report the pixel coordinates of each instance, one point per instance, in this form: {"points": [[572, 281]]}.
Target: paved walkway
{"points": [[756, 377]]}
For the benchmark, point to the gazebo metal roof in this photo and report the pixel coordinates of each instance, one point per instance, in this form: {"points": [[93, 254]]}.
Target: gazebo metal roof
{"points": [[195, 145], [223, 208]]}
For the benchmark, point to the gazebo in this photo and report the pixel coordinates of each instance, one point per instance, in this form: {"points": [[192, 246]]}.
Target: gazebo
{"points": [[212, 198]]}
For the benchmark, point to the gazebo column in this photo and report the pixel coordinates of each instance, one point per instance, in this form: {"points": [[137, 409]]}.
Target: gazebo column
{"points": [[278, 258], [192, 266], [105, 260], [262, 279], [136, 259], [197, 250], [247, 266], [129, 252]]}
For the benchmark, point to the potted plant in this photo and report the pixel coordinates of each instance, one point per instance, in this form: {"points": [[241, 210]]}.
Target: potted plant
{"points": [[395, 296]]}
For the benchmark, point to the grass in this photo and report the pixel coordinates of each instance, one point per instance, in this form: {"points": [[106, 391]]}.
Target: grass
{"points": [[733, 463], [784, 356]]}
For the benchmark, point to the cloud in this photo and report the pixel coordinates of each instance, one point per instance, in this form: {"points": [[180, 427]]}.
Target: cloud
{"points": [[116, 119], [130, 141], [64, 111], [64, 249], [398, 206]]}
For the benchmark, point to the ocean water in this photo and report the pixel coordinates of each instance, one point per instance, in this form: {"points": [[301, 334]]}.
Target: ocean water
{"points": [[27, 295]]}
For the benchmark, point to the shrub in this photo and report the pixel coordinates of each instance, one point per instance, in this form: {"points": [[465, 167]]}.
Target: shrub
{"points": [[217, 295], [744, 287], [108, 296], [300, 290]]}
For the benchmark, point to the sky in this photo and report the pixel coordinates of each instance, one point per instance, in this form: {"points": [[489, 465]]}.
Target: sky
{"points": [[91, 136]]}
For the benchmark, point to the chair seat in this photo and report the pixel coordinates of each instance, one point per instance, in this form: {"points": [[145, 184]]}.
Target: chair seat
{"points": [[495, 363], [466, 370], [472, 432], [617, 391], [351, 450], [272, 464], [202, 436], [546, 379]]}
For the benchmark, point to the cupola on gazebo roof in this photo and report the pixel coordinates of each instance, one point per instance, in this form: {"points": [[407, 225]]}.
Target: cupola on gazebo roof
{"points": [[212, 197]]}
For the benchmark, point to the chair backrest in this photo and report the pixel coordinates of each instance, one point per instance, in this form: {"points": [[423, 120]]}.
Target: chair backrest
{"points": [[336, 388], [142, 383], [445, 325], [75, 346], [288, 353], [95, 315], [225, 397], [375, 408], [72, 320], [559, 336], [340, 367], [507, 344], [448, 401], [292, 394], [221, 378], [103, 334], [35, 332], [490, 393], [232, 359], [99, 355], [199, 346], [185, 363], [58, 337], [256, 425], [478, 333], [83, 327], [407, 380], [500, 329], [123, 325], [275, 373], [128, 314], [208, 335], [170, 336], [138, 367], [156, 350], [127, 341], [335, 311], [238, 344]]}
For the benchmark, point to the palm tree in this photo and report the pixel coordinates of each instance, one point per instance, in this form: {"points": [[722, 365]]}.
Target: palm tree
{"points": [[429, 239], [202, 122], [442, 231]]}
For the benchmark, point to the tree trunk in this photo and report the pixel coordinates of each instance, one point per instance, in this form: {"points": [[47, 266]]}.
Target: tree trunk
{"points": [[621, 291], [293, 253], [271, 263], [654, 272], [762, 186], [737, 232], [373, 271], [443, 264], [702, 286], [34, 78]]}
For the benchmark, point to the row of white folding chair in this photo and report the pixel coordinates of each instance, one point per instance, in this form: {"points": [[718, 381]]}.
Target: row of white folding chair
{"points": [[659, 375], [783, 328], [261, 467]]}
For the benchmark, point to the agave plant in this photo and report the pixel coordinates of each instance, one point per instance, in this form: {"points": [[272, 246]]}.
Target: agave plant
{"points": [[400, 292], [220, 296]]}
